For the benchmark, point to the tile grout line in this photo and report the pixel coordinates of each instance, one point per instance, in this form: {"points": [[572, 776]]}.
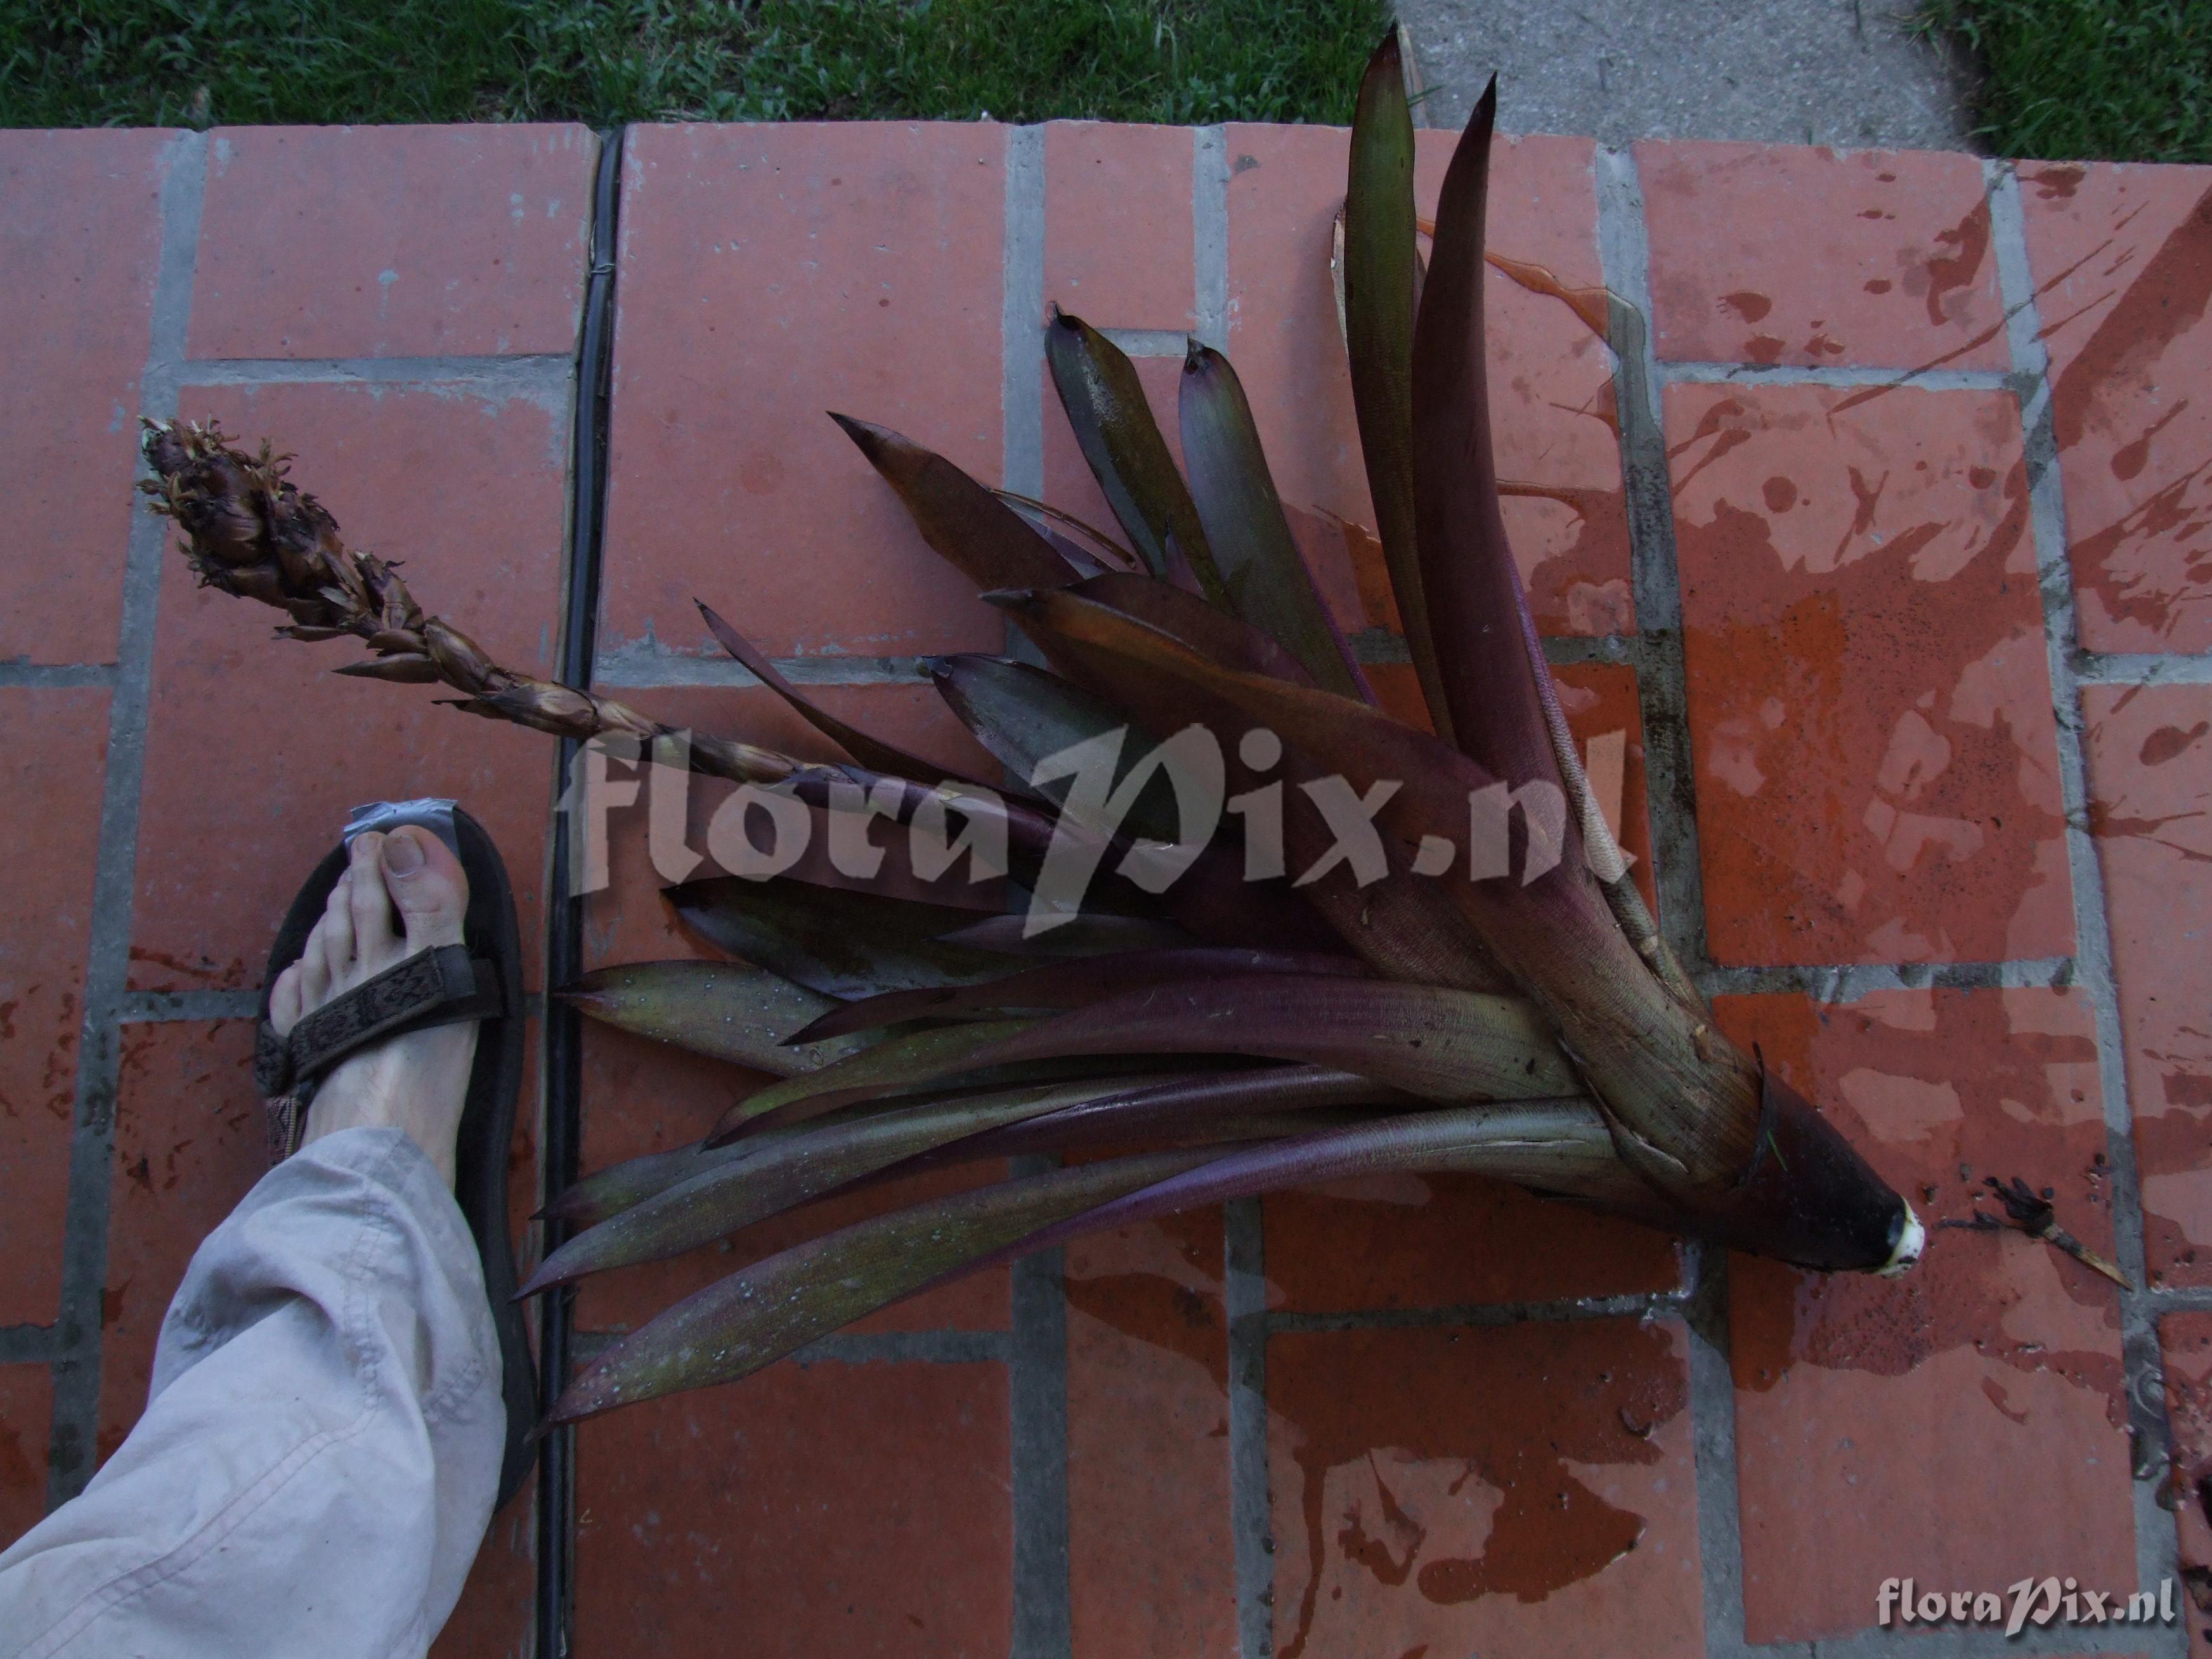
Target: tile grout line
{"points": [[587, 405], [2142, 668], [2157, 1541], [1841, 982], [541, 376], [1209, 227], [73, 1446], [1677, 371], [1243, 1241], [1244, 1307], [1640, 1304], [1625, 255], [1037, 1350], [1918, 1641], [57, 676]]}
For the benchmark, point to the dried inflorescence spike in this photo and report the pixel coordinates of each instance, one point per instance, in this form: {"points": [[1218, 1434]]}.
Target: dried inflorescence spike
{"points": [[250, 531]]}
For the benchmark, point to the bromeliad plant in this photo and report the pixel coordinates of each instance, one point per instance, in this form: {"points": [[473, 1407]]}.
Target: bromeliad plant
{"points": [[1254, 1033]]}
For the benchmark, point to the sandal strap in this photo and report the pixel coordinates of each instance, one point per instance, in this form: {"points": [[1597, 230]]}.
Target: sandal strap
{"points": [[438, 987]]}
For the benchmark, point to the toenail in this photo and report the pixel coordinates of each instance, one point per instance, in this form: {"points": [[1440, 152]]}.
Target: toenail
{"points": [[403, 854]]}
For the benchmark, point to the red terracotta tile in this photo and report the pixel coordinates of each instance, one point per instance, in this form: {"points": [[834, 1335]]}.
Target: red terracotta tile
{"points": [[56, 741], [469, 494], [1409, 1241], [1152, 1564], [1769, 253], [78, 257], [2122, 258], [768, 274], [2149, 786], [1518, 1489], [641, 1096], [1882, 1425], [858, 1509], [2185, 1340], [493, 1619], [1550, 378], [1869, 699], [189, 1144], [392, 241], [1118, 225], [26, 1398]]}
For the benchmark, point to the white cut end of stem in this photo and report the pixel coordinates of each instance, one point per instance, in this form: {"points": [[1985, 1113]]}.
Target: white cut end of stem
{"points": [[1910, 1243]]}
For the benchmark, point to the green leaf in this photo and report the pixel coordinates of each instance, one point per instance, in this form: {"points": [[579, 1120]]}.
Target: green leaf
{"points": [[1068, 985], [839, 943], [1380, 280], [1023, 713], [726, 1010], [1113, 427], [869, 751], [755, 1316], [1560, 1147], [967, 525], [1435, 1043], [1090, 935], [1268, 584], [896, 1063], [754, 1179], [1490, 671]]}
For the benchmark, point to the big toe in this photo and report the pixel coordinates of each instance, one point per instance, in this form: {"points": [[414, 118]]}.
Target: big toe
{"points": [[428, 888]]}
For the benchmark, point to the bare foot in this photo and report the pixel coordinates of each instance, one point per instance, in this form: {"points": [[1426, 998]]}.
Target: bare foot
{"points": [[417, 1082]]}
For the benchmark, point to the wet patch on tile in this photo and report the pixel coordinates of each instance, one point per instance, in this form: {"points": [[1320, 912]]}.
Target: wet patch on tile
{"points": [[2122, 258], [1522, 1489], [1884, 1427], [2150, 782], [1869, 701]]}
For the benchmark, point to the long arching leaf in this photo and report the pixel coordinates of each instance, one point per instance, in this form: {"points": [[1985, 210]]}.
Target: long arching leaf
{"points": [[1068, 985], [1113, 427], [731, 1011], [964, 523], [722, 1193], [1093, 933], [1379, 286], [777, 1306], [1436, 1043], [1491, 677], [1561, 1147], [1023, 713], [897, 1063], [737, 1186], [834, 942], [869, 751], [1268, 584]]}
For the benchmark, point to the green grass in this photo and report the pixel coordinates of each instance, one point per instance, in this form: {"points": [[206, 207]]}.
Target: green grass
{"points": [[92, 62], [2088, 80]]}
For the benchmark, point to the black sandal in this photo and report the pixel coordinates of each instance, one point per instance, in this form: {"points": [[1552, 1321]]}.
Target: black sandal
{"points": [[480, 979]]}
